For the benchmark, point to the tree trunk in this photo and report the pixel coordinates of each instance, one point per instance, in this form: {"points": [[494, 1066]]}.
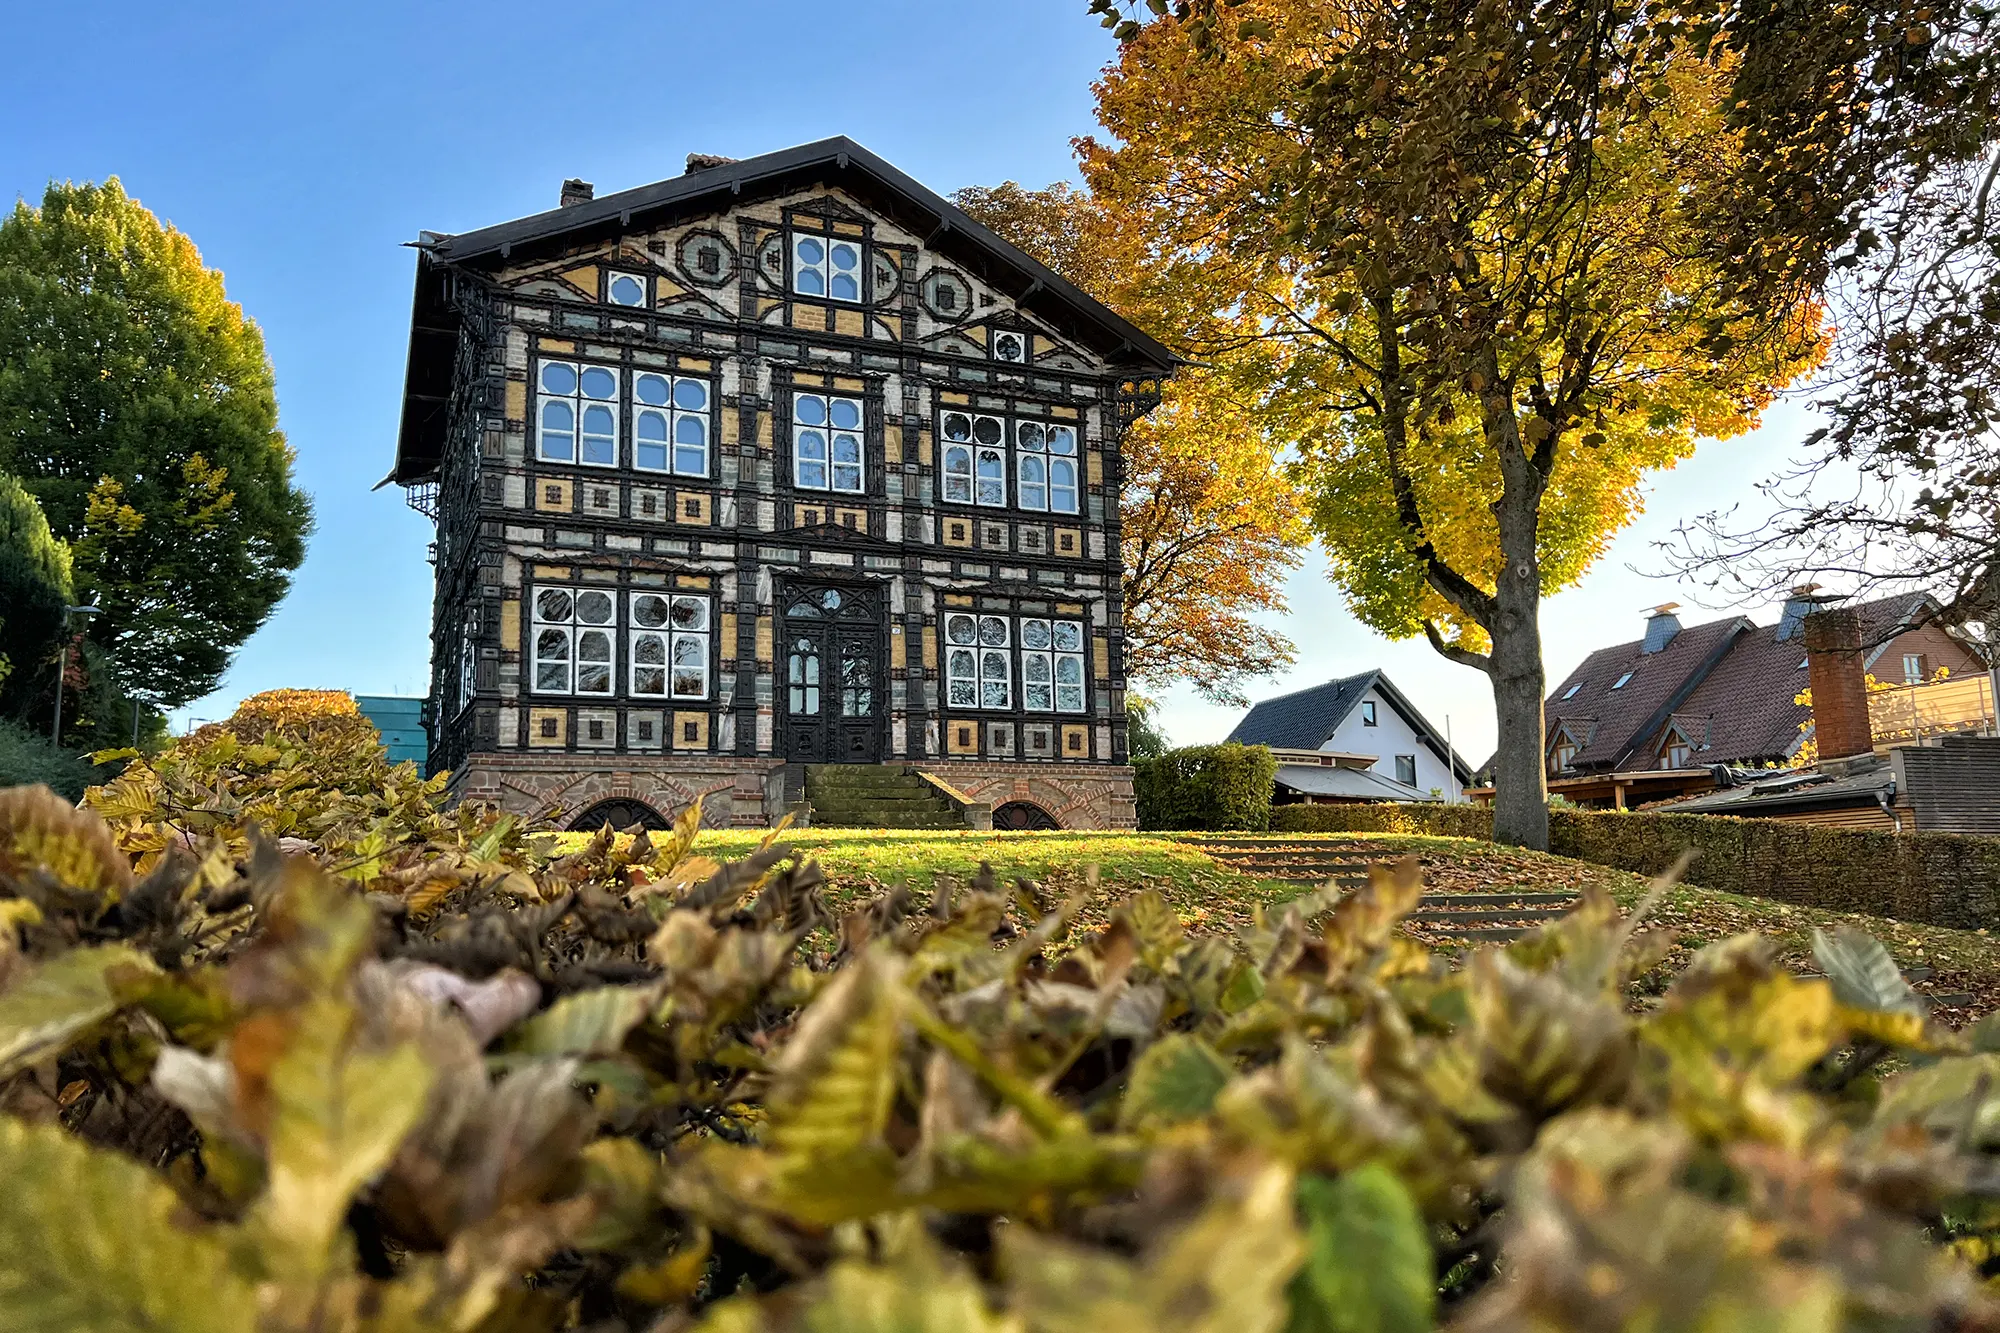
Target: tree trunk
{"points": [[1520, 781]]}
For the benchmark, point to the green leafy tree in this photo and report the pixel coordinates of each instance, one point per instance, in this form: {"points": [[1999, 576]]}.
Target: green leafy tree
{"points": [[137, 405], [34, 582], [1463, 253]]}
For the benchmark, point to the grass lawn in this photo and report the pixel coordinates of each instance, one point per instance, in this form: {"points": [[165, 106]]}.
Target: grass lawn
{"points": [[860, 863]]}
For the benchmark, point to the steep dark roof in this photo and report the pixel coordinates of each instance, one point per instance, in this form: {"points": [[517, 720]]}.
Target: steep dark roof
{"points": [[1745, 704], [1304, 719], [948, 230], [1619, 720]]}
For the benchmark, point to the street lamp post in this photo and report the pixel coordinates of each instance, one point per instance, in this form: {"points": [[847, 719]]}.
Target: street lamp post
{"points": [[62, 665]]}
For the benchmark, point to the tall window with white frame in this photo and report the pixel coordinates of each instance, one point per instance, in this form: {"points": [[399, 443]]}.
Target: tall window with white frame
{"points": [[468, 658], [670, 424], [670, 637], [576, 414], [974, 458], [978, 673], [573, 631], [822, 266], [1052, 665], [827, 449], [1045, 466]]}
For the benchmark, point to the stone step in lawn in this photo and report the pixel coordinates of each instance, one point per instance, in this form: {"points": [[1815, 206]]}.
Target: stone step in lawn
{"points": [[1486, 915]]}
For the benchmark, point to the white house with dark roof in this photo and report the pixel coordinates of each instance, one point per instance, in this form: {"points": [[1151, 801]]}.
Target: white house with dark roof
{"points": [[1354, 739]]}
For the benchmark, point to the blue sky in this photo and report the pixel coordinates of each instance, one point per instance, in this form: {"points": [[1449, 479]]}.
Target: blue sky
{"points": [[300, 146]]}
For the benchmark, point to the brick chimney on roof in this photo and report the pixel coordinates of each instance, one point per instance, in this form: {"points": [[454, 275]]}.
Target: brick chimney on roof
{"points": [[1836, 669], [576, 192]]}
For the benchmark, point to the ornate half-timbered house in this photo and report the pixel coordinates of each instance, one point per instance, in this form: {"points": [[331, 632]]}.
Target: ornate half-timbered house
{"points": [[778, 463]]}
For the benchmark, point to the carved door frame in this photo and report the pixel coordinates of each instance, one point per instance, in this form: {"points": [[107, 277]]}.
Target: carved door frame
{"points": [[832, 672]]}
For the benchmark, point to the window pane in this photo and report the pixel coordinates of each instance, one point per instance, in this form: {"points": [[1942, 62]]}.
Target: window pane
{"points": [[627, 290], [690, 682], [558, 378], [691, 460], [959, 629], [599, 383], [651, 389], [1035, 634], [691, 430], [552, 645], [1062, 439], [690, 395], [957, 426], [808, 410], [593, 645], [558, 439], [649, 650], [690, 649], [649, 610], [986, 430], [1035, 667], [593, 679], [846, 414], [993, 631], [809, 250], [1041, 698], [651, 426], [600, 443], [1069, 635], [847, 449], [690, 613], [1069, 698], [964, 693], [845, 256], [1069, 671], [812, 475], [810, 283], [847, 477], [845, 288], [552, 605], [993, 694], [649, 680], [812, 444], [1062, 478], [594, 608], [1028, 434], [552, 676], [962, 663]]}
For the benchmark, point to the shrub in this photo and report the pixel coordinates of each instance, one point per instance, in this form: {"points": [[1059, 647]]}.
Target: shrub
{"points": [[628, 1090], [34, 584], [1213, 787], [1445, 821], [27, 759]]}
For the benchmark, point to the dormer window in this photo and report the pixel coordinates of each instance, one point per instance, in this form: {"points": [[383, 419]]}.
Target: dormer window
{"points": [[824, 267], [626, 289], [1619, 684], [1571, 692]]}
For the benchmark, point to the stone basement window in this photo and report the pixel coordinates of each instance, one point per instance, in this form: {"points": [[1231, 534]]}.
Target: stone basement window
{"points": [[824, 267], [573, 632], [669, 646], [827, 452]]}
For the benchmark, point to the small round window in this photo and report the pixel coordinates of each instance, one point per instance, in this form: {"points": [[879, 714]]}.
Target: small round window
{"points": [[627, 290], [1009, 347]]}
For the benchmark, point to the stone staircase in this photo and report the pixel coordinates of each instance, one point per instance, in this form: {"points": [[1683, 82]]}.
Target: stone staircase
{"points": [[1474, 917], [876, 796]]}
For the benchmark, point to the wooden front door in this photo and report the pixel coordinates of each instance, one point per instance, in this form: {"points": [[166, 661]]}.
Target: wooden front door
{"points": [[831, 683]]}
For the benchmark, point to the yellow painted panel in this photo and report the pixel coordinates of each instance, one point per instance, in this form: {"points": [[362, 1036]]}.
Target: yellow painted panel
{"points": [[517, 400], [956, 399], [585, 278], [1094, 467], [892, 443], [849, 383], [957, 599], [924, 447], [690, 731], [955, 532], [731, 425], [1101, 656], [563, 345], [807, 516], [691, 507], [1069, 541], [1070, 412], [666, 289], [764, 429], [552, 496], [551, 571], [700, 363], [693, 581], [510, 625], [849, 323], [961, 737], [1069, 608], [898, 655], [764, 653], [548, 728], [728, 632], [930, 652], [849, 229], [854, 520], [766, 304], [1076, 742]]}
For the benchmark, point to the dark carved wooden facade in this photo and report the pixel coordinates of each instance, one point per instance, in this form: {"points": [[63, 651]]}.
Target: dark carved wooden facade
{"points": [[783, 461]]}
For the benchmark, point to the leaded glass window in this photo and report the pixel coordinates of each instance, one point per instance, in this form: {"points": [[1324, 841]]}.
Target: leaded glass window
{"points": [[576, 413], [978, 670], [670, 425], [669, 646], [827, 449], [1052, 665], [826, 266], [573, 631], [974, 450]]}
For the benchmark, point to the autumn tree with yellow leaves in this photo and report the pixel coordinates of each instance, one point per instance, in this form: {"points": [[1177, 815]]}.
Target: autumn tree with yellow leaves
{"points": [[1462, 255], [1210, 522]]}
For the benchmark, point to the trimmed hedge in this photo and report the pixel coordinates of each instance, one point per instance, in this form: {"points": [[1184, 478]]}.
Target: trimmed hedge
{"points": [[1938, 879], [27, 759], [1211, 787]]}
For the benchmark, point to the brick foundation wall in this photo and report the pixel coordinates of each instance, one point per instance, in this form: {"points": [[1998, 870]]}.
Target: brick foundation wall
{"points": [[734, 792], [1079, 796]]}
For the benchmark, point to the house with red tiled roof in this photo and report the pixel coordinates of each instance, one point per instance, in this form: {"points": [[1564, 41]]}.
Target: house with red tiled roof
{"points": [[1655, 718]]}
